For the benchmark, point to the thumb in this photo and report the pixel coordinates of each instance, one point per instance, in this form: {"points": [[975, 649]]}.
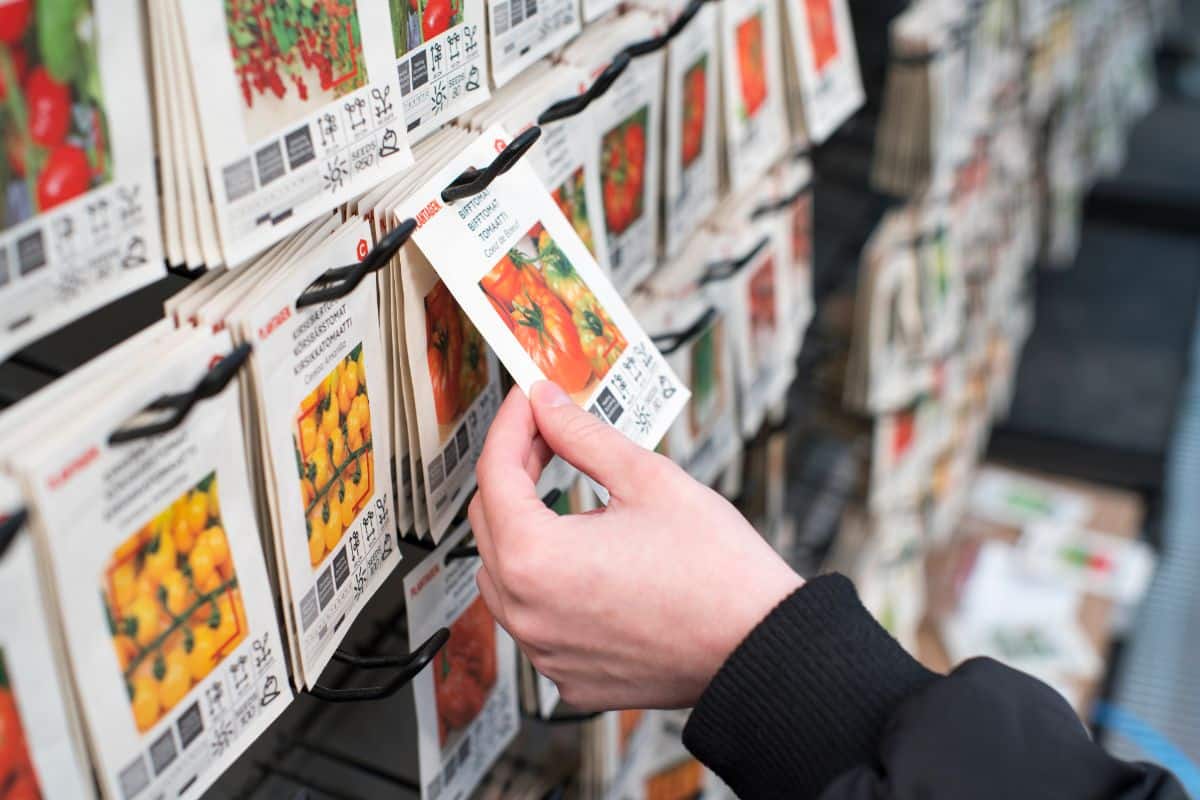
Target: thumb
{"points": [[587, 442]]}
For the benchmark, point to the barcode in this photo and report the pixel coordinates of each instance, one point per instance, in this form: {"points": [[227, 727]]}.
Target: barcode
{"points": [[530, 8], [239, 179], [517, 12], [500, 18]]}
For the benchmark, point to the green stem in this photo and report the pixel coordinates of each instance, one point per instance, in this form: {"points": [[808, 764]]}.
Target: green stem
{"points": [[15, 101], [179, 622], [325, 489]]}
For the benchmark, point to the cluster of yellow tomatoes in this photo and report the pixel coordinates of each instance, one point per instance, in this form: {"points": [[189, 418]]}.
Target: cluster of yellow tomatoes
{"points": [[174, 607], [333, 454]]}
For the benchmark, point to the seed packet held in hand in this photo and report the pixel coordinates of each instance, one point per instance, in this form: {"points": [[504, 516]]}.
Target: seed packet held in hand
{"points": [[528, 283], [158, 572], [466, 698], [79, 225], [45, 754], [300, 108]]}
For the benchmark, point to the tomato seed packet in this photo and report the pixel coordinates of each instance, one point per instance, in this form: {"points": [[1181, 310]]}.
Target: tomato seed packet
{"points": [[527, 282], [300, 110], [456, 389], [45, 755], [320, 374], [466, 698], [691, 163], [79, 227], [158, 574], [755, 117], [822, 40], [442, 63], [520, 33]]}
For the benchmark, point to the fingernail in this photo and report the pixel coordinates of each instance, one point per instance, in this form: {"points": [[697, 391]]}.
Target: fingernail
{"points": [[548, 394]]}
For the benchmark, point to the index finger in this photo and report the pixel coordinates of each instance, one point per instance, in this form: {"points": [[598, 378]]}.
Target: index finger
{"points": [[507, 491]]}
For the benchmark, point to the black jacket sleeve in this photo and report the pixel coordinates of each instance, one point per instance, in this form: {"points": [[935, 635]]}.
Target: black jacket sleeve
{"points": [[820, 701]]}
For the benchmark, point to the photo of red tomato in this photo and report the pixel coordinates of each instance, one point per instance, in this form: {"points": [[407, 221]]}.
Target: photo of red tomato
{"points": [[822, 32], [464, 671], [18, 778], [457, 358], [571, 199], [53, 121], [695, 100], [290, 57], [553, 313], [751, 64], [763, 321], [415, 22], [623, 171]]}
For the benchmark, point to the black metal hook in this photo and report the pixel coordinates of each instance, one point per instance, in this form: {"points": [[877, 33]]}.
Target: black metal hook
{"points": [[341, 281], [573, 718], [721, 270], [678, 24], [574, 105], [668, 343], [782, 204], [180, 405], [10, 526], [473, 181], [408, 667]]}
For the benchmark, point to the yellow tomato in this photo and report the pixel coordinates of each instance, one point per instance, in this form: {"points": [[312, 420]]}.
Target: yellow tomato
{"points": [[307, 492], [202, 563], [360, 370], [210, 583], [316, 547], [214, 539], [144, 613], [197, 511], [227, 630], [364, 414], [176, 655], [330, 419], [160, 556], [347, 387], [126, 650], [203, 654], [348, 500], [333, 528], [332, 381], [181, 532], [354, 439], [174, 686], [308, 434], [145, 702], [178, 594], [124, 586], [214, 502], [323, 471]]}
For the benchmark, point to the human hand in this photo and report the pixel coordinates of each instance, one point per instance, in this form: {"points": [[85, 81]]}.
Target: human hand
{"points": [[636, 605]]}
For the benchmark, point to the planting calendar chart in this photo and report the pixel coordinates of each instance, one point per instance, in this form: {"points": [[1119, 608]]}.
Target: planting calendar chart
{"points": [[442, 63], [300, 110], [79, 222]]}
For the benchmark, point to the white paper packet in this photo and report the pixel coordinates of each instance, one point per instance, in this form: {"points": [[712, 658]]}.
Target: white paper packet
{"points": [[84, 230], [321, 379], [159, 578], [466, 698], [563, 320], [47, 755], [822, 39], [280, 151], [521, 32]]}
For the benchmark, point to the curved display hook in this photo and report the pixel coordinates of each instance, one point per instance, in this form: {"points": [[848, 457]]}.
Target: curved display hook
{"points": [[782, 204], [473, 181], [408, 667], [341, 281], [573, 105], [668, 343], [658, 42], [721, 270], [10, 526], [180, 405]]}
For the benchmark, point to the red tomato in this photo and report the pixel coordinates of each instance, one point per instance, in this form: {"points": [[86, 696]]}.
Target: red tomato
{"points": [[64, 176], [436, 18], [545, 331], [14, 19], [635, 146], [752, 69], [443, 336], [509, 278], [49, 105]]}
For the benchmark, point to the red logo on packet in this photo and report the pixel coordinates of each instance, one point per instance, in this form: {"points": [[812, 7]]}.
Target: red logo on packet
{"points": [[500, 144], [426, 213], [425, 579], [75, 466], [281, 316], [361, 252]]}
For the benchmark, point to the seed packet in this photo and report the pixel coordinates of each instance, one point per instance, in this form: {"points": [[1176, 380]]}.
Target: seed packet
{"points": [[691, 164], [527, 282], [619, 742], [626, 131], [45, 755], [158, 574], [594, 9], [755, 117], [80, 222], [565, 158], [822, 42], [321, 387], [456, 389], [1093, 562], [466, 698], [300, 110], [442, 63], [520, 33], [791, 203]]}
